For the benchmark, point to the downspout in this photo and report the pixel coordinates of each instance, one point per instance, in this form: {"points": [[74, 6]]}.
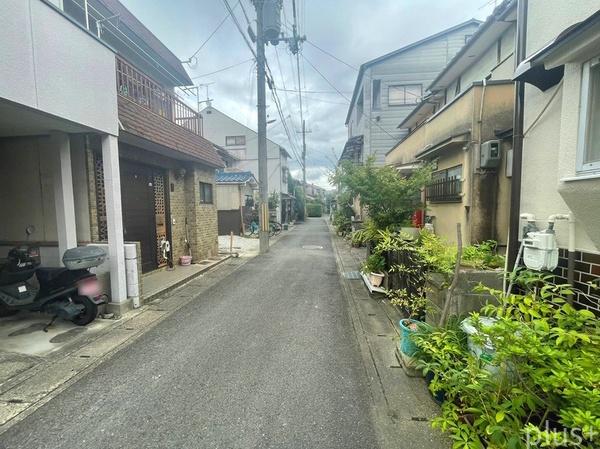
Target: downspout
{"points": [[515, 192], [571, 245]]}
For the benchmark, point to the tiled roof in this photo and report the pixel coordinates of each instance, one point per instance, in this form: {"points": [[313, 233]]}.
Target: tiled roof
{"points": [[234, 177], [134, 24]]}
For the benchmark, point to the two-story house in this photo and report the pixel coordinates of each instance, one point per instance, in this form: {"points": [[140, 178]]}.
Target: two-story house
{"points": [[389, 87], [466, 114], [560, 170], [135, 169], [241, 143]]}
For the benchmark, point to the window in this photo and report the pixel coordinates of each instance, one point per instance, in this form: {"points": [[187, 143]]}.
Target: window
{"points": [[458, 87], [376, 94], [445, 185], [206, 193], [405, 94], [359, 107], [468, 37], [231, 141], [588, 154], [499, 51]]}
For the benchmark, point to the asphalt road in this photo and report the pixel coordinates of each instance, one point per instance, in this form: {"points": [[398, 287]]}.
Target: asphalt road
{"points": [[267, 358]]}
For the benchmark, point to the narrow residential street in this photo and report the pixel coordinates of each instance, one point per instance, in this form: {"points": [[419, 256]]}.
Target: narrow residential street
{"points": [[266, 358]]}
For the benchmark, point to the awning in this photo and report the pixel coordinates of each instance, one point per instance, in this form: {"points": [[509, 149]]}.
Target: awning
{"points": [[578, 43], [456, 141]]}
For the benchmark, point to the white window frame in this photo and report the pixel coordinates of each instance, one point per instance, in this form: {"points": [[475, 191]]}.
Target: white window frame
{"points": [[584, 112], [404, 86], [234, 144]]}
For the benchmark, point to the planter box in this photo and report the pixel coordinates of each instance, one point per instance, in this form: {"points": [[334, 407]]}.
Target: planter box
{"points": [[464, 300]]}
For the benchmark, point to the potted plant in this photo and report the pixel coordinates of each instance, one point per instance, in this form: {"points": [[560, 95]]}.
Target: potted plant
{"points": [[374, 267]]}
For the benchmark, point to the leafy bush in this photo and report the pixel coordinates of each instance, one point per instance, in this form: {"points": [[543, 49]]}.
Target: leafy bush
{"points": [[314, 210], [390, 198], [375, 263], [440, 256], [543, 388]]}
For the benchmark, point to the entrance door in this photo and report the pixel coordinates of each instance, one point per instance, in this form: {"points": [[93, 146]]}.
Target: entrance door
{"points": [[139, 210]]}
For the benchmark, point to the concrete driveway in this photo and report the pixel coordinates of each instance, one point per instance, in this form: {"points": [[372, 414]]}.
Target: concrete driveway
{"points": [[267, 358]]}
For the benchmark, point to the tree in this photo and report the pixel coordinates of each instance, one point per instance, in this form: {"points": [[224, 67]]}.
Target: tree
{"points": [[390, 199]]}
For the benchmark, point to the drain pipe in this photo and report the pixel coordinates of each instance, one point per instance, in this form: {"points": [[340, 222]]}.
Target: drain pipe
{"points": [[571, 245], [515, 194]]}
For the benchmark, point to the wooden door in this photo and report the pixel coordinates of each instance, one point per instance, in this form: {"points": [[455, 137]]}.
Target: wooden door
{"points": [[139, 220]]}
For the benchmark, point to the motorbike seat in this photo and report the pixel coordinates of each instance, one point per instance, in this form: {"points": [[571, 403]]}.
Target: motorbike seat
{"points": [[46, 275]]}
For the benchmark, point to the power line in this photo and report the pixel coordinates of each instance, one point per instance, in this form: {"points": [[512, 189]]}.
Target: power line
{"points": [[346, 98], [214, 32], [332, 55], [239, 27], [223, 69]]}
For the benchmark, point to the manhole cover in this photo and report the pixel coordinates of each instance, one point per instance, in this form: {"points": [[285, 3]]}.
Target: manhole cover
{"points": [[312, 247], [352, 275]]}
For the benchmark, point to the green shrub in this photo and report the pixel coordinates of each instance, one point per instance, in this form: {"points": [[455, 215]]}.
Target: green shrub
{"points": [[543, 391], [375, 263], [314, 210]]}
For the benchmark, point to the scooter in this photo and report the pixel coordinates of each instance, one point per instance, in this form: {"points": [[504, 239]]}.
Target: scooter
{"points": [[71, 292]]}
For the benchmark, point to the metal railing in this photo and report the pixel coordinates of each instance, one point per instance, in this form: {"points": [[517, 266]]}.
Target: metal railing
{"points": [[445, 190], [136, 86]]}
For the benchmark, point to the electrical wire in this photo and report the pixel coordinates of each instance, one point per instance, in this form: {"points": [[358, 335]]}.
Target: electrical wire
{"points": [[215, 31], [223, 69], [346, 98]]}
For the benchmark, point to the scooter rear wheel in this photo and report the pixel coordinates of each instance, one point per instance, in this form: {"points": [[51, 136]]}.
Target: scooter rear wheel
{"points": [[89, 312]]}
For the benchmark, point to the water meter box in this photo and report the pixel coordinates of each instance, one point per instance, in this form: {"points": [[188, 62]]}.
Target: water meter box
{"points": [[491, 154], [540, 251], [83, 257]]}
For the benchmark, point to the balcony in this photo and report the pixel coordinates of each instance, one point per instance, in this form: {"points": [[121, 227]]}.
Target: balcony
{"points": [[458, 123], [137, 87], [446, 190]]}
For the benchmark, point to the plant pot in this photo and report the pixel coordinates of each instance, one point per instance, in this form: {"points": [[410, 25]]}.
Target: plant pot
{"points": [[185, 261], [376, 279], [438, 396], [407, 327]]}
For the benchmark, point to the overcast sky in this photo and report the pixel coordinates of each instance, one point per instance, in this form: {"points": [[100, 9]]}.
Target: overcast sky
{"points": [[355, 31]]}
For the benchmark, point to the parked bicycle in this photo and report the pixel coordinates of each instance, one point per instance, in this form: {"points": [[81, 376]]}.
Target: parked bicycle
{"points": [[253, 228]]}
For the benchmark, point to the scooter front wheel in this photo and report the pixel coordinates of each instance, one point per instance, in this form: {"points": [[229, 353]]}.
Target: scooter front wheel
{"points": [[89, 312]]}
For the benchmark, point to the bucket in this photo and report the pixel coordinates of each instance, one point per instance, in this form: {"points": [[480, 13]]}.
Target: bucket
{"points": [[484, 351], [185, 260], [407, 346]]}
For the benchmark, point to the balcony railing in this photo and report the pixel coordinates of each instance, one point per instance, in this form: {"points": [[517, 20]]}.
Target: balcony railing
{"points": [[446, 190], [136, 86]]}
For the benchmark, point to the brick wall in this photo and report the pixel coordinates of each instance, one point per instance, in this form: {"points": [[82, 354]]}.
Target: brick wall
{"points": [[202, 218], [184, 202], [587, 269]]}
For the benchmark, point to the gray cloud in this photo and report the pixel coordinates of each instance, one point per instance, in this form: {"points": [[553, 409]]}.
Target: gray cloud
{"points": [[354, 31]]}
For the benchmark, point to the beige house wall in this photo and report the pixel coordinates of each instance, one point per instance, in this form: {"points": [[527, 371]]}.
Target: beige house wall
{"points": [[550, 147]]}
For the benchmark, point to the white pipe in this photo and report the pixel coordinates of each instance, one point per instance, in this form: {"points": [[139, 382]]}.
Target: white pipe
{"points": [[529, 217]]}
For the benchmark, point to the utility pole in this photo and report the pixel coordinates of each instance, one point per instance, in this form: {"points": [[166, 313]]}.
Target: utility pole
{"points": [[294, 43], [263, 182]]}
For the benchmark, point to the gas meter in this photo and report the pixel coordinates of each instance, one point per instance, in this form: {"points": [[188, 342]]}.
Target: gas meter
{"points": [[540, 251]]}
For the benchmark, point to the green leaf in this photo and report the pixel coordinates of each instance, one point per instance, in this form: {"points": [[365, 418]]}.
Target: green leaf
{"points": [[500, 416]]}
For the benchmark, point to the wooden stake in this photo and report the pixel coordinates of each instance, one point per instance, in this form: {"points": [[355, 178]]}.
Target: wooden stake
{"points": [[446, 309]]}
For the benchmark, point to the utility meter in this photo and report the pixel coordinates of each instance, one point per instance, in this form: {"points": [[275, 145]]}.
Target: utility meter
{"points": [[540, 251], [490, 154]]}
